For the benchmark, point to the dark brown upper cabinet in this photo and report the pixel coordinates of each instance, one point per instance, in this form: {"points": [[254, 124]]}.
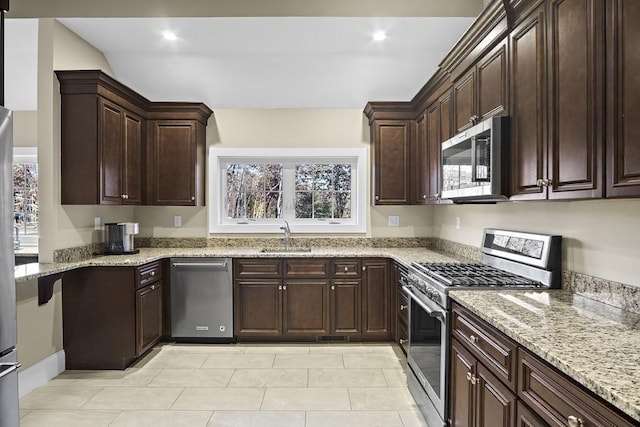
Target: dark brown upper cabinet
{"points": [[111, 152], [558, 99], [392, 131], [623, 103]]}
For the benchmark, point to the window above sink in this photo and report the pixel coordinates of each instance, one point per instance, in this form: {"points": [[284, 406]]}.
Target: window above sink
{"points": [[315, 190]]}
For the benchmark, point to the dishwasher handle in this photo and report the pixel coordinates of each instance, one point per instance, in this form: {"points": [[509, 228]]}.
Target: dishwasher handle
{"points": [[201, 264]]}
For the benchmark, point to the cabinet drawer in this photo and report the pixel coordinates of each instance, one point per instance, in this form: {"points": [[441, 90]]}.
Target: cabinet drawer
{"points": [[306, 267], [346, 268], [497, 352], [148, 273], [255, 267], [556, 398]]}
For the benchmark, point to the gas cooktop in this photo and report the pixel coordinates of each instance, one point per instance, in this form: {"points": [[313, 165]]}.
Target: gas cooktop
{"points": [[474, 274]]}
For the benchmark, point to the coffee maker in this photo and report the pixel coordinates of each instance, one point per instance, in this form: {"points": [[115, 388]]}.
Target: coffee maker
{"points": [[119, 237]]}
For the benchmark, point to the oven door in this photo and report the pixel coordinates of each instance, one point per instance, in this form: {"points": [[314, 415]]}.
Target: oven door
{"points": [[428, 354]]}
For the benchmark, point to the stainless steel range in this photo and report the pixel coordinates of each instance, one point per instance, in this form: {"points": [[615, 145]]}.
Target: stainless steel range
{"points": [[510, 260]]}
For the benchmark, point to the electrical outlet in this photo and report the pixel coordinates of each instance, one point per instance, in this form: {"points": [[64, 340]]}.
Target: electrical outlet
{"points": [[393, 221], [96, 223], [177, 221], [457, 223]]}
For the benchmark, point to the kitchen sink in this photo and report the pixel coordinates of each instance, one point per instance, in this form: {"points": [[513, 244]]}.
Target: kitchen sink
{"points": [[284, 251]]}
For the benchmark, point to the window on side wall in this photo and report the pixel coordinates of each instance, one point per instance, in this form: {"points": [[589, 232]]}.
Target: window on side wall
{"points": [[25, 195], [316, 191]]}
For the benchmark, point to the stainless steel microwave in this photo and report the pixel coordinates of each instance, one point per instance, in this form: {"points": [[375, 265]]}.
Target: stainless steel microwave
{"points": [[475, 163]]}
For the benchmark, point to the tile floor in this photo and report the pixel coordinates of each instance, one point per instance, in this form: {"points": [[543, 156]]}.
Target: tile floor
{"points": [[280, 385]]}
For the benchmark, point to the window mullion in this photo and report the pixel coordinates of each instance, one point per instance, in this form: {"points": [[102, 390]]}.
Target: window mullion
{"points": [[288, 191]]}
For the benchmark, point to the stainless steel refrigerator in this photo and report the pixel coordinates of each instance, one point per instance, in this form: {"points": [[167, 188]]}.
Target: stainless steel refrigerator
{"points": [[9, 414]]}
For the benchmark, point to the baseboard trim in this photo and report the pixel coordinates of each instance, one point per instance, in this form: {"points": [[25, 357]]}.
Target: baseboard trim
{"points": [[40, 373]]}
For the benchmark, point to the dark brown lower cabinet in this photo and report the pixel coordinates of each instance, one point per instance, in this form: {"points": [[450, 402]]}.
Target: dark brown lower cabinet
{"points": [[478, 397], [344, 306], [526, 418], [306, 307], [309, 299], [111, 315]]}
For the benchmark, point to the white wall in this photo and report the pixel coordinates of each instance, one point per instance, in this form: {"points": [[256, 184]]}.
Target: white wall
{"points": [[62, 226], [601, 238], [283, 128]]}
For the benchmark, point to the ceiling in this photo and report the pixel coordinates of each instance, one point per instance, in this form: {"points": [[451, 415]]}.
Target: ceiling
{"points": [[251, 62]]}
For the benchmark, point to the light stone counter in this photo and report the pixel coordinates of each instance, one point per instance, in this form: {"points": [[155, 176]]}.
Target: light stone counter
{"points": [[596, 344], [403, 255]]}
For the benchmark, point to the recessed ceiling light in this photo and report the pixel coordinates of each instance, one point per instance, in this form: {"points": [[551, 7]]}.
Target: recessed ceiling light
{"points": [[379, 36], [169, 35]]}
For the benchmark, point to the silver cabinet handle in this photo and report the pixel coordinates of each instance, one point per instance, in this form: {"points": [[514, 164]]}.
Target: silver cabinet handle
{"points": [[346, 269], [153, 287], [8, 368], [424, 196], [333, 287], [200, 264], [473, 339], [280, 287], [469, 376], [284, 288], [401, 341], [153, 273], [193, 198], [403, 307], [377, 197], [574, 421]]}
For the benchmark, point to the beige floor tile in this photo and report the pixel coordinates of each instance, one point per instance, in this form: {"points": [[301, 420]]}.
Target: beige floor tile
{"points": [[269, 378], [132, 377], [278, 349], [395, 377], [257, 419], [69, 418], [134, 398], [370, 361], [412, 419], [353, 419], [162, 418], [176, 360], [24, 412], [256, 361], [205, 348], [381, 399], [247, 399], [192, 378], [307, 399], [308, 361], [346, 378], [351, 349], [70, 397]]}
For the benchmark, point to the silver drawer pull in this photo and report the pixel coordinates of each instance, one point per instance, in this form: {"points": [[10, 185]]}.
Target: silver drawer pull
{"points": [[153, 273], [8, 368], [574, 421], [402, 341], [473, 339], [403, 307]]}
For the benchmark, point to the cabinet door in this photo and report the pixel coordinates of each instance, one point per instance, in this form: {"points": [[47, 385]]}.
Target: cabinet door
{"points": [[526, 418], [576, 98], [345, 307], [110, 128], [464, 101], [132, 172], [493, 83], [258, 308], [528, 107], [461, 392], [391, 169], [306, 307], [495, 403], [376, 320], [174, 163], [148, 317], [420, 162], [446, 117], [623, 102]]}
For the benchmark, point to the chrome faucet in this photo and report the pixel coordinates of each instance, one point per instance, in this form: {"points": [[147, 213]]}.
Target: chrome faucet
{"points": [[287, 235], [16, 238]]}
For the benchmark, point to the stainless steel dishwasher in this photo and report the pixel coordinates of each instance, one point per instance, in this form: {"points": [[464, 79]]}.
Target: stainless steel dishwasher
{"points": [[201, 299]]}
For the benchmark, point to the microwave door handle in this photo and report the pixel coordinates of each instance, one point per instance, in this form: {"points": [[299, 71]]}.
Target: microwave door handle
{"points": [[474, 160]]}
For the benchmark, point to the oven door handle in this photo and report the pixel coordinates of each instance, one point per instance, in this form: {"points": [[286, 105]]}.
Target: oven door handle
{"points": [[440, 314]]}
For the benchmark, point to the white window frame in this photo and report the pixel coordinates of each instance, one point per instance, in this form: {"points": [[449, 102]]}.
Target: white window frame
{"points": [[219, 157]]}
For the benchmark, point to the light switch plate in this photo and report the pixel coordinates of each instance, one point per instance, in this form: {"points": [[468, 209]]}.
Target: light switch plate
{"points": [[96, 223], [393, 221], [177, 221]]}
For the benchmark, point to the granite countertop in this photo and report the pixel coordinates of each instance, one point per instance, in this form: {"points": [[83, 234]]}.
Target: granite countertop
{"points": [[404, 255], [596, 344]]}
